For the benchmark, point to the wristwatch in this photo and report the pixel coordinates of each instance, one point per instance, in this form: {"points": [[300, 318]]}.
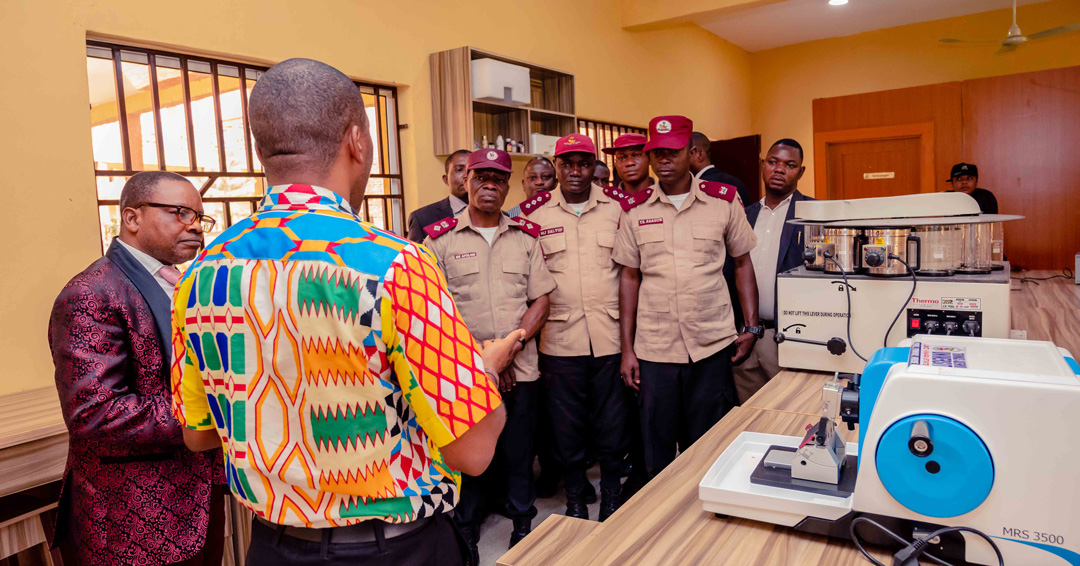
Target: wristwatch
{"points": [[757, 331]]}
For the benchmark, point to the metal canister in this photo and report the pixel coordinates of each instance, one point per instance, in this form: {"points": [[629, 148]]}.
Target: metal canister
{"points": [[883, 243], [941, 247], [977, 248], [814, 238], [845, 245]]}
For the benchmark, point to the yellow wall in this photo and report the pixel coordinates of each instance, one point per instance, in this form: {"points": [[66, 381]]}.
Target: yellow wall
{"points": [[787, 79], [45, 152]]}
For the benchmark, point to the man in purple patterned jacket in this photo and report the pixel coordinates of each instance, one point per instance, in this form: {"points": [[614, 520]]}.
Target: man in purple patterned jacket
{"points": [[133, 493]]}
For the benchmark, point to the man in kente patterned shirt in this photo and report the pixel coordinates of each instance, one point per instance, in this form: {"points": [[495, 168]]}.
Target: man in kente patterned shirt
{"points": [[327, 356]]}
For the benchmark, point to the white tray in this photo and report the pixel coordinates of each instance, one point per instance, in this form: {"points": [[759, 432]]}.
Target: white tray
{"points": [[726, 488]]}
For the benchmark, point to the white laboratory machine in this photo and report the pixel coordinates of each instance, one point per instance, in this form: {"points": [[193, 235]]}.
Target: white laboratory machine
{"points": [[954, 431]]}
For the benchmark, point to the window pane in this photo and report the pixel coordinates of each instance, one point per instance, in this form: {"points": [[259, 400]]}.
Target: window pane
{"points": [[383, 147], [174, 134], [371, 105], [104, 114], [252, 77], [395, 187], [110, 224], [237, 187], [376, 186], [217, 211], [197, 181], [142, 140], [204, 117], [376, 212], [391, 133], [239, 210], [108, 188], [396, 217], [232, 118]]}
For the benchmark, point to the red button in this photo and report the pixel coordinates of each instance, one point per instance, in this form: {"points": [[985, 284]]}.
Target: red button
{"points": [[915, 323]]}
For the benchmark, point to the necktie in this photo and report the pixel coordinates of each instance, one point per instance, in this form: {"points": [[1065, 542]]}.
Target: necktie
{"points": [[170, 274]]}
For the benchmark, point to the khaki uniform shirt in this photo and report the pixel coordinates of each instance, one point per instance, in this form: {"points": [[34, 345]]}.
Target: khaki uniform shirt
{"points": [[493, 284], [684, 310], [577, 251]]}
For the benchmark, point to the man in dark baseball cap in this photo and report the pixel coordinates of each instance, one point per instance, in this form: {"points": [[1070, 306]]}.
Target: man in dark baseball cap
{"points": [[965, 179], [631, 162]]}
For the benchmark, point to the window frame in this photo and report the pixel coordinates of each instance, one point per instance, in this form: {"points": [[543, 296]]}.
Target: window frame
{"points": [[609, 131], [388, 146]]}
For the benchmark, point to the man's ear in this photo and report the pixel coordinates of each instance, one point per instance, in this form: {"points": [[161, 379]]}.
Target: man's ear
{"points": [[359, 146], [802, 169], [446, 180], [129, 220]]}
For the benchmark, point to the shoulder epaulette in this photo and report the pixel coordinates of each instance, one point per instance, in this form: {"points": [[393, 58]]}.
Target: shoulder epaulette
{"points": [[441, 227], [635, 199], [616, 193], [525, 225], [534, 203], [719, 190]]}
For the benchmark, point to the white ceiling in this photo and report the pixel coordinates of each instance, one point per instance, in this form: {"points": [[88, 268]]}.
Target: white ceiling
{"points": [[795, 21]]}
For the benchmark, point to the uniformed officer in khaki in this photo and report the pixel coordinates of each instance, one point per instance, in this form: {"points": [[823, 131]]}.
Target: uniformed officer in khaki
{"points": [[631, 163], [495, 271], [679, 341], [579, 346]]}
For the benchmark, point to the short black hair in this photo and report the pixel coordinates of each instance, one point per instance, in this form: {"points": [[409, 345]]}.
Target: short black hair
{"points": [[539, 158], [789, 143], [300, 110], [600, 162], [700, 141], [139, 189], [450, 158]]}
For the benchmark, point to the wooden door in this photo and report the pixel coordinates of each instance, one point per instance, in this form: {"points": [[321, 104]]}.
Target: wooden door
{"points": [[873, 168], [740, 157]]}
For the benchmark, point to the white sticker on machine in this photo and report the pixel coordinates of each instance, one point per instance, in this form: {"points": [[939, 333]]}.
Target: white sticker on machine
{"points": [[937, 356], [961, 303]]}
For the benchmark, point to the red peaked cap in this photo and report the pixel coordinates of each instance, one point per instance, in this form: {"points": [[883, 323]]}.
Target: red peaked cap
{"points": [[669, 132], [489, 159]]}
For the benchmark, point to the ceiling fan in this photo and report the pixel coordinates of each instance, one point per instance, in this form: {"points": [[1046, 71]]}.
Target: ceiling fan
{"points": [[1015, 38]]}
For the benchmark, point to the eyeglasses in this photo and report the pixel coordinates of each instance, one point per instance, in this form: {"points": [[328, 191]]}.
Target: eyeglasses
{"points": [[185, 215]]}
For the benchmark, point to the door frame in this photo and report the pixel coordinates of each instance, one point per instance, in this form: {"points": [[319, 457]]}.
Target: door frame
{"points": [[923, 131]]}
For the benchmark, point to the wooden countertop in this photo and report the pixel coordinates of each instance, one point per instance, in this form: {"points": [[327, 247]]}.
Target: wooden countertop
{"points": [[33, 440], [665, 523]]}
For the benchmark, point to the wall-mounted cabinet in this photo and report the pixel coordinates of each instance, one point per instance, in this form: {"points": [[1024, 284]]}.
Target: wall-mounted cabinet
{"points": [[462, 122]]}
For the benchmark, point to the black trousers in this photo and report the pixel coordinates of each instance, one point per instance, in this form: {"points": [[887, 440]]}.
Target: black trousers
{"points": [[510, 474], [681, 402], [587, 401], [435, 544]]}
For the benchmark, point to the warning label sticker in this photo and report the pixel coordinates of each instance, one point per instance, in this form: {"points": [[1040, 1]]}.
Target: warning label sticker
{"points": [[937, 356], [961, 303]]}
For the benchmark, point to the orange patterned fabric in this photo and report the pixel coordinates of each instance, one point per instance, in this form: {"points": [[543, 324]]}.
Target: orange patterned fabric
{"points": [[333, 362]]}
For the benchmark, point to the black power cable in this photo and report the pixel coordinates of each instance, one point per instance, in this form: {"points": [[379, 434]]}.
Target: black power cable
{"points": [[909, 555], [914, 283], [1065, 274], [847, 289]]}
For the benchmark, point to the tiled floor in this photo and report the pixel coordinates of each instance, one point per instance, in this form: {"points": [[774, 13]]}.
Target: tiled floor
{"points": [[495, 533]]}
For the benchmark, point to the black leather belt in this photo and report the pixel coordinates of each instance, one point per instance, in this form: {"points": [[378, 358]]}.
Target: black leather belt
{"points": [[360, 532]]}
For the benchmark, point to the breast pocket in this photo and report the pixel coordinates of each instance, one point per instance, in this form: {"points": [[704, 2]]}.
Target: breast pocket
{"points": [[516, 277], [605, 242], [708, 241], [463, 278], [653, 246], [554, 248]]}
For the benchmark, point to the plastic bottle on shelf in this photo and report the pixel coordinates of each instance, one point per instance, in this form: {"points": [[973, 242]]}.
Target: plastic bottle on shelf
{"points": [[521, 147], [484, 142], [500, 143]]}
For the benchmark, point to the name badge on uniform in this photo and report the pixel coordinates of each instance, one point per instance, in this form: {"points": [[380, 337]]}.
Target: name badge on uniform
{"points": [[463, 256], [550, 231], [647, 221]]}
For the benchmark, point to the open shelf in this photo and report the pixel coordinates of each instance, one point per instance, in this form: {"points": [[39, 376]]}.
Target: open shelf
{"points": [[460, 120]]}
